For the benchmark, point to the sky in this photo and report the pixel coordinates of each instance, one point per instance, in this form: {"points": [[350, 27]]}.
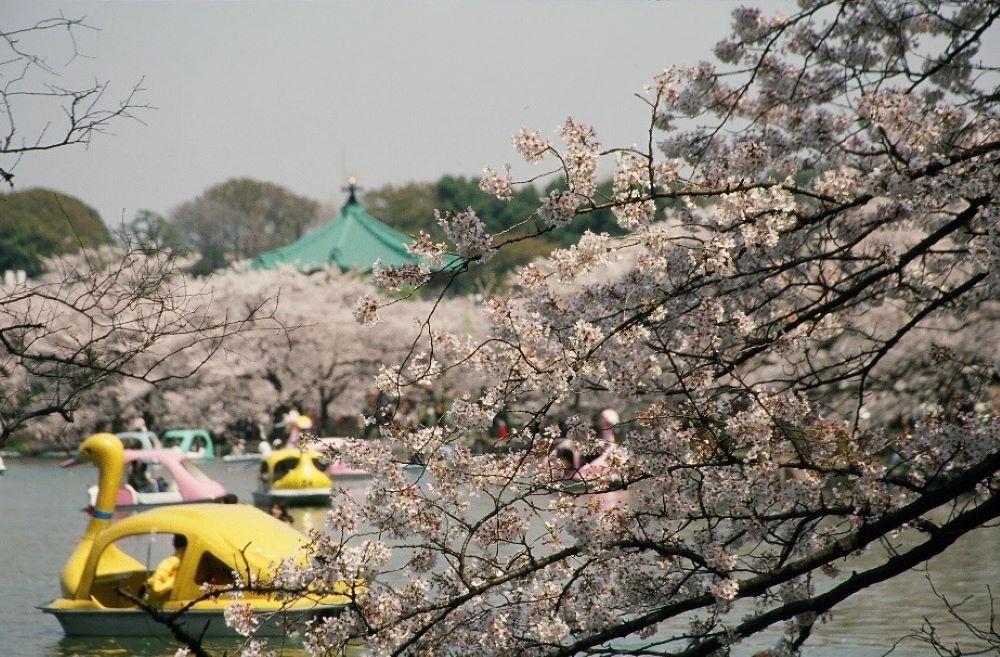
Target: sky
{"points": [[305, 94]]}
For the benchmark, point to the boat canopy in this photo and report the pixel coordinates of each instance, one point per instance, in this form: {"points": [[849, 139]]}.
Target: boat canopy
{"points": [[190, 441], [353, 240], [251, 538]]}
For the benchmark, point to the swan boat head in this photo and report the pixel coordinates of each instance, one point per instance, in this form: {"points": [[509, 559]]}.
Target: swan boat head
{"points": [[104, 450]]}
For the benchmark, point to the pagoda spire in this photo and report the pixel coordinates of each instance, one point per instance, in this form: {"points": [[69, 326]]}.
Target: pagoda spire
{"points": [[351, 189]]}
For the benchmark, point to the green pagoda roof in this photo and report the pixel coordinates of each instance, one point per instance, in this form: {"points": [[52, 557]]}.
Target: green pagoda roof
{"points": [[352, 240]]}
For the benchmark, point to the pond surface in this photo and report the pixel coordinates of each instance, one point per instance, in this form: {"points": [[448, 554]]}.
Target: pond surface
{"points": [[40, 512]]}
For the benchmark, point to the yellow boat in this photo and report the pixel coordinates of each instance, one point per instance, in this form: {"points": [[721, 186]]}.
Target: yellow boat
{"points": [[221, 539], [293, 477]]}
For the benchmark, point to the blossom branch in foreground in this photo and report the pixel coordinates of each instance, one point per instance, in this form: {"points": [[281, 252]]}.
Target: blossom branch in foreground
{"points": [[797, 333]]}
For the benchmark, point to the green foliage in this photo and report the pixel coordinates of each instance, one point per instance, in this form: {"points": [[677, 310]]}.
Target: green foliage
{"points": [[240, 218], [149, 229], [410, 209], [39, 223], [515, 214], [212, 258], [596, 221]]}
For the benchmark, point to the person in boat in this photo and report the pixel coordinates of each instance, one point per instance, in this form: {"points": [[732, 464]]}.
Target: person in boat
{"points": [[279, 511], [160, 583], [264, 427], [295, 424], [138, 478], [377, 414], [606, 422], [407, 414], [564, 450]]}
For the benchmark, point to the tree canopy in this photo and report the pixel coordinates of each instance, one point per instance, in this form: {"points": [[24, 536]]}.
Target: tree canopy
{"points": [[151, 230], [241, 218], [784, 360], [411, 209], [38, 223], [323, 365]]}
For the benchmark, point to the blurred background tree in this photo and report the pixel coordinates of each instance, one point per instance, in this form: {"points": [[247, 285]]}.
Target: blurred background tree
{"points": [[40, 223], [240, 218], [149, 229]]}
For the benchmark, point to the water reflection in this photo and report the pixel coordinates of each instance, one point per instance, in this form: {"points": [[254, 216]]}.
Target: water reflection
{"points": [[163, 647], [110, 647], [136, 647]]}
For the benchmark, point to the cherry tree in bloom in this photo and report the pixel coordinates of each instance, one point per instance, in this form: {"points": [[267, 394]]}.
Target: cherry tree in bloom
{"points": [[797, 333], [315, 357], [100, 316], [113, 318]]}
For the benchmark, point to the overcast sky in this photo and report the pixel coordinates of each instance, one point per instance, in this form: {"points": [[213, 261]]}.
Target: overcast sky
{"points": [[304, 94]]}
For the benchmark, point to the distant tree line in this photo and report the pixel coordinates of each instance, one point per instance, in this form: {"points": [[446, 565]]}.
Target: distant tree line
{"points": [[240, 218]]}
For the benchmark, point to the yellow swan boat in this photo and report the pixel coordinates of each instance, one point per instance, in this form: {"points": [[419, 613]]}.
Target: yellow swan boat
{"points": [[221, 539], [293, 477]]}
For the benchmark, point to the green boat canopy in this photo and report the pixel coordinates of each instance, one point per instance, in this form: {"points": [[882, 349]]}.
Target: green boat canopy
{"points": [[352, 240]]}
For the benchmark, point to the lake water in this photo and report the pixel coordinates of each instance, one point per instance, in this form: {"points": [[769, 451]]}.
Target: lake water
{"points": [[41, 520]]}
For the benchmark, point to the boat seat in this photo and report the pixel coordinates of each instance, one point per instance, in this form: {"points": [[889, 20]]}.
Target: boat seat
{"points": [[214, 571], [105, 588]]}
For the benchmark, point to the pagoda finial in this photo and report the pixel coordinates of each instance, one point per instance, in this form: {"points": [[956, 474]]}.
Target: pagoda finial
{"points": [[351, 189]]}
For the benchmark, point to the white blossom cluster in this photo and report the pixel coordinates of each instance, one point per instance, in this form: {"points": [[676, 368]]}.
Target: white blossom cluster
{"points": [[530, 145], [496, 184], [432, 252], [397, 277], [467, 232], [580, 157], [559, 207], [631, 188], [366, 310]]}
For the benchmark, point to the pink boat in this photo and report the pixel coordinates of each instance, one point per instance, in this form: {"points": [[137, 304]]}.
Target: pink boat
{"points": [[571, 469], [569, 466], [154, 477], [337, 468]]}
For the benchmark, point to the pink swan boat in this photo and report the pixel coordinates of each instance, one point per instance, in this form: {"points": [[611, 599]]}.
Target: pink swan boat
{"points": [[571, 469], [337, 469], [161, 476]]}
